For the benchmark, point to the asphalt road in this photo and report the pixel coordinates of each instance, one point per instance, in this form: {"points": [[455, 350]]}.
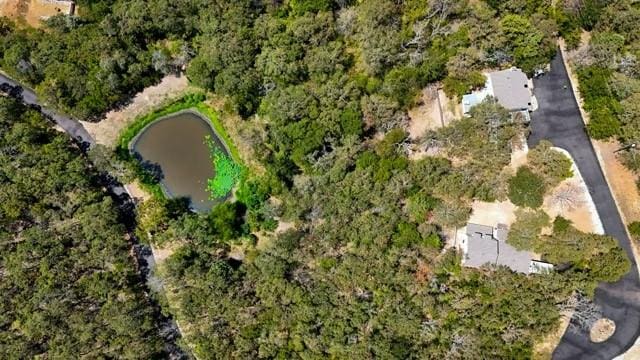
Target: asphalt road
{"points": [[558, 120], [71, 126]]}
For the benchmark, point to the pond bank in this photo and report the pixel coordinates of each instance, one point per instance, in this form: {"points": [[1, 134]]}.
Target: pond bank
{"points": [[191, 105], [176, 149]]}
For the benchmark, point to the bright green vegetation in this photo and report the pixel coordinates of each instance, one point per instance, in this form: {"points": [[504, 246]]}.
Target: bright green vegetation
{"points": [[227, 172], [220, 186], [323, 89], [69, 286]]}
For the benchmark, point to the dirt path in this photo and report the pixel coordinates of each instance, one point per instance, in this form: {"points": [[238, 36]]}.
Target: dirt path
{"points": [[425, 116], [107, 130], [621, 180]]}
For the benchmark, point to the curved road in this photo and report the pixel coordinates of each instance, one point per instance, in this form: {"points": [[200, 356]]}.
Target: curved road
{"points": [[558, 120]]}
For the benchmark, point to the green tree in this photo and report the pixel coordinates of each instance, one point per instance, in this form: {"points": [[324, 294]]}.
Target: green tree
{"points": [[526, 189], [525, 231], [551, 164]]}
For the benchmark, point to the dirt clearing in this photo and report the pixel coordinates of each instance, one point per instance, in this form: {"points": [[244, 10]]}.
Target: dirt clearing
{"points": [[434, 110], [493, 213], [32, 12], [571, 200], [107, 130], [425, 116], [621, 180]]}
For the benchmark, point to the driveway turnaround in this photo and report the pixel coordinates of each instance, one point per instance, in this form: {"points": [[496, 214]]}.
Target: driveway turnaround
{"points": [[558, 120]]}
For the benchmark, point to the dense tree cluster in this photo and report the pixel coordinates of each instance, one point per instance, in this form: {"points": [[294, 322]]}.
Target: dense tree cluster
{"points": [[68, 282], [342, 232], [608, 68]]}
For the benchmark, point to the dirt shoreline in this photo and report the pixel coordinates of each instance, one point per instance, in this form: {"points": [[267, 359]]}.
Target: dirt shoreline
{"points": [[107, 130]]}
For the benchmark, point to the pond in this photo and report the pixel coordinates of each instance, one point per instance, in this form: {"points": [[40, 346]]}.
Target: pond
{"points": [[174, 147]]}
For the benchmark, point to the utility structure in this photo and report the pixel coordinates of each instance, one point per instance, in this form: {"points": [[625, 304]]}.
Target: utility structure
{"points": [[633, 145]]}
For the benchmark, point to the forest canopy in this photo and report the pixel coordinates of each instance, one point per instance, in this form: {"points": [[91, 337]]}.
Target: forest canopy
{"points": [[335, 246], [69, 286]]}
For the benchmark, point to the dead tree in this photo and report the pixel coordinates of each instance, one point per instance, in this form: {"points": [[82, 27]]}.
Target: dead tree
{"points": [[432, 25], [585, 313], [567, 197]]}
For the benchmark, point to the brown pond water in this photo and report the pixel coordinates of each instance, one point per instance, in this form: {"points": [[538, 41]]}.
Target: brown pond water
{"points": [[176, 143]]}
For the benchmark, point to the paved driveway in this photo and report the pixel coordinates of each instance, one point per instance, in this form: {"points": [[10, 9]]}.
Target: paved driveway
{"points": [[558, 120]]}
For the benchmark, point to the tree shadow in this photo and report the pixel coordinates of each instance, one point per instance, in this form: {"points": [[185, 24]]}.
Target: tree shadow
{"points": [[151, 171]]}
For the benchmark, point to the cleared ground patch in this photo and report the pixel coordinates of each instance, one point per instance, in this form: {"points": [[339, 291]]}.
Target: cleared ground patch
{"points": [[572, 201], [602, 330], [107, 130], [32, 12], [426, 116]]}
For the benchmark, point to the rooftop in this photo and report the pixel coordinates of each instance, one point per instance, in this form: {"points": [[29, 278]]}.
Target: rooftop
{"points": [[487, 245], [510, 87]]}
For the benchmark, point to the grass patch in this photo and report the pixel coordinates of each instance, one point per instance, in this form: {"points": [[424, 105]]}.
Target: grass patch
{"points": [[150, 183]]}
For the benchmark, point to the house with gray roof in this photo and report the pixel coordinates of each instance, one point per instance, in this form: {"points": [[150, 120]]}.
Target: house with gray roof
{"points": [[510, 87], [486, 245]]}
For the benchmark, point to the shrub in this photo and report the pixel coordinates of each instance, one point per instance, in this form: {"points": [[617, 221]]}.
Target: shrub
{"points": [[405, 235], [525, 231], [526, 189], [453, 86], [561, 224], [552, 165], [603, 124], [634, 228]]}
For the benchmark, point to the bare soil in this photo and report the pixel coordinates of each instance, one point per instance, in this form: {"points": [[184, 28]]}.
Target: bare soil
{"points": [[602, 330], [577, 205], [425, 116], [107, 130], [160, 254], [632, 354], [32, 12], [519, 156], [451, 107], [544, 348], [621, 180], [493, 213], [136, 192]]}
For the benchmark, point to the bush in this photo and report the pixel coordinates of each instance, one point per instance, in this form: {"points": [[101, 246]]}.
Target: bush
{"points": [[572, 39], [526, 229], [552, 165], [634, 228], [561, 224], [594, 84], [526, 189], [603, 124], [457, 87]]}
